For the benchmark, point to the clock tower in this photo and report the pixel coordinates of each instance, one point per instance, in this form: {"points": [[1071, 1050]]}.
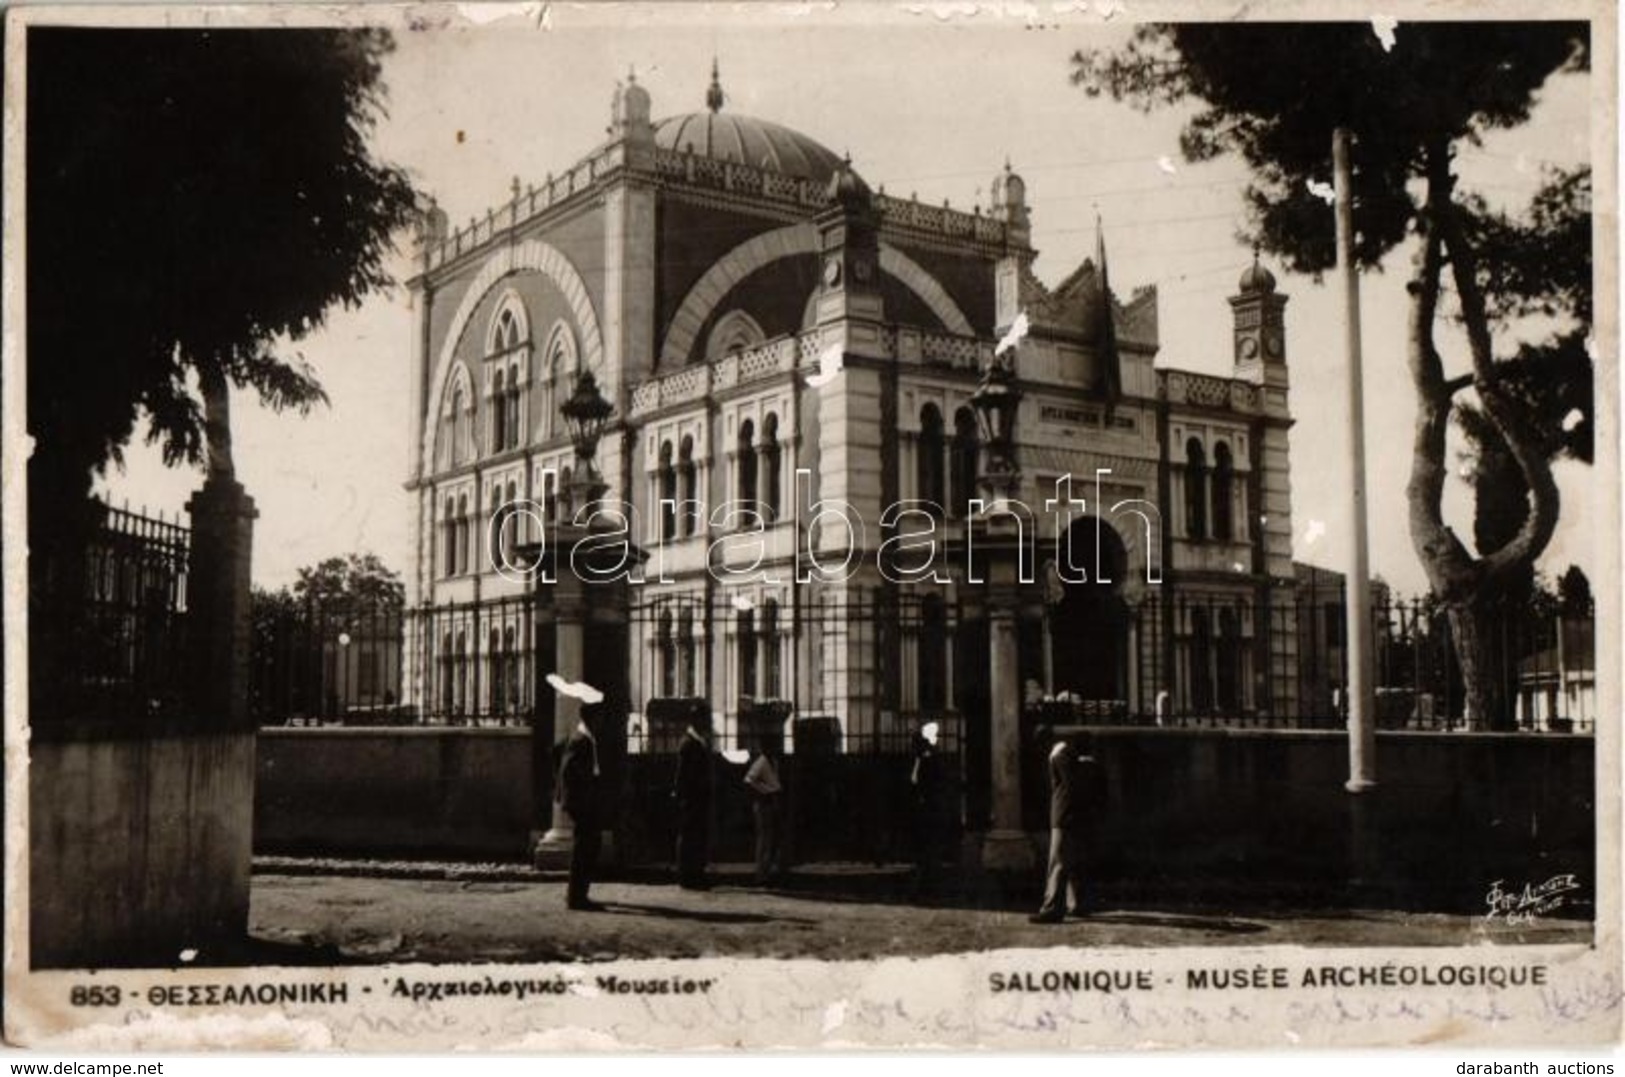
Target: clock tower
{"points": [[1260, 337]]}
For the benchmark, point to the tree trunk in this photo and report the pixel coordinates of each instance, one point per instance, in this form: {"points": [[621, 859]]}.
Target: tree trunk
{"points": [[1476, 633], [1467, 584]]}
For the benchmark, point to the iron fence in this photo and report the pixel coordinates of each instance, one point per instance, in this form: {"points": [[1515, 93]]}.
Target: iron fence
{"points": [[865, 670], [107, 623]]}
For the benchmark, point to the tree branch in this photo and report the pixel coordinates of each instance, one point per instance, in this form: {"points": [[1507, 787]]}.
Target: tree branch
{"points": [[1503, 413]]}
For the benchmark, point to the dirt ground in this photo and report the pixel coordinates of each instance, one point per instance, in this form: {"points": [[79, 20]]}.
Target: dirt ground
{"points": [[357, 918]]}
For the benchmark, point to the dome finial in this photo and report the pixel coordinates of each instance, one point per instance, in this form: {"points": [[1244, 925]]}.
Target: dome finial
{"points": [[713, 94]]}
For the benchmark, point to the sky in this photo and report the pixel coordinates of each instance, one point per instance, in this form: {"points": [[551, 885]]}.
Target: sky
{"points": [[924, 105]]}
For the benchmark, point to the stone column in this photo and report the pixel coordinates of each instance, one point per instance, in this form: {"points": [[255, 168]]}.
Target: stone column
{"points": [[1006, 847], [569, 653], [218, 590]]}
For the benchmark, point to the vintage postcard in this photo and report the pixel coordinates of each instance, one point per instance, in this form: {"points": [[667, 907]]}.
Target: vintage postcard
{"points": [[1017, 526]]}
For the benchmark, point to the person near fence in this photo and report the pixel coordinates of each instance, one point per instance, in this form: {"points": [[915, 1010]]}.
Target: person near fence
{"points": [[767, 802], [925, 786], [577, 792], [693, 793], [1076, 799]]}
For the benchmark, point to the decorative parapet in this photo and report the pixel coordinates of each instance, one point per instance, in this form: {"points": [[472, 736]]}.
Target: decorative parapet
{"points": [[939, 220], [945, 350], [756, 364], [693, 170], [1209, 391], [803, 352], [527, 204]]}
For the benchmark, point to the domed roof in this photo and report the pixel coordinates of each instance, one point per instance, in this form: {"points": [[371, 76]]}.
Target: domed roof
{"points": [[1255, 278], [747, 140]]}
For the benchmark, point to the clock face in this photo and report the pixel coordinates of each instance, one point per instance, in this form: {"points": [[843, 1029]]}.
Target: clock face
{"points": [[1248, 347], [1273, 344]]}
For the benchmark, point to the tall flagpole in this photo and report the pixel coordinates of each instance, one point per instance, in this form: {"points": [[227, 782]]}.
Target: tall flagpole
{"points": [[1362, 697]]}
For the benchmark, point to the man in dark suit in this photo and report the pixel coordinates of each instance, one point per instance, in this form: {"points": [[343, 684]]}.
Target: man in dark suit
{"points": [[577, 792], [693, 793], [1076, 797]]}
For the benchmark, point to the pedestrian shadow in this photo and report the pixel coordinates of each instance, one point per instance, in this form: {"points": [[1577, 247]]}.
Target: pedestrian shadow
{"points": [[1219, 925], [666, 912]]}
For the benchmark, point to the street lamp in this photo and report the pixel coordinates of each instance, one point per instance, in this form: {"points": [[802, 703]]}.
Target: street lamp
{"points": [[585, 413], [995, 401]]}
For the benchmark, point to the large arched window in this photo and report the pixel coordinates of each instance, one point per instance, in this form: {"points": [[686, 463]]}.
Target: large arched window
{"points": [[558, 365], [448, 531], [966, 451], [666, 486], [666, 643], [508, 533], [771, 479], [505, 333], [685, 485], [460, 691], [745, 462], [745, 637], [929, 457], [448, 675], [499, 412], [550, 497], [495, 668], [512, 403], [461, 414], [510, 656], [734, 332], [1224, 478], [463, 535], [772, 680], [1195, 489], [685, 650]]}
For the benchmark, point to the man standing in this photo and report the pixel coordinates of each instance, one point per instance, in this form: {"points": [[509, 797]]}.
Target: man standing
{"points": [[767, 797], [925, 787], [577, 793], [1076, 794], [693, 792]]}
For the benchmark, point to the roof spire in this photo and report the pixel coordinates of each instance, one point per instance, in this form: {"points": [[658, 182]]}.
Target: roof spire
{"points": [[713, 93]]}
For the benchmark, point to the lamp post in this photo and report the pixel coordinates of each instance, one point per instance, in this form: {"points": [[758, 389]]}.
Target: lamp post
{"points": [[567, 602], [585, 414], [996, 402]]}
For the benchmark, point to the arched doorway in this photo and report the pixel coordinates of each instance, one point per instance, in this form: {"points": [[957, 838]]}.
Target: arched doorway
{"points": [[1088, 627]]}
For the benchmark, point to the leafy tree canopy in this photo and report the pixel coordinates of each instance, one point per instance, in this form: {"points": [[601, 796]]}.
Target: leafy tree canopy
{"points": [[194, 198], [1274, 92], [355, 582]]}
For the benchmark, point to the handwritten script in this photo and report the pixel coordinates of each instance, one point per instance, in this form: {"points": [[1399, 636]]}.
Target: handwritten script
{"points": [[1527, 904]]}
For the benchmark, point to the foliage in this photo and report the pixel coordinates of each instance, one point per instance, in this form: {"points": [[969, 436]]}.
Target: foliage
{"points": [[356, 581], [1274, 94], [197, 201]]}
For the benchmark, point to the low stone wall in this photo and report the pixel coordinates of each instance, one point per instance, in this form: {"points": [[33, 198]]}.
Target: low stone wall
{"points": [[1199, 813], [1451, 813], [139, 847], [387, 792]]}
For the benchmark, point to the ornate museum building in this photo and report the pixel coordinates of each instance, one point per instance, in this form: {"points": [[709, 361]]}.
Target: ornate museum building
{"points": [[773, 333]]}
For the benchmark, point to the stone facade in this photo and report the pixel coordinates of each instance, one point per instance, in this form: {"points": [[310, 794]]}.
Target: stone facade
{"points": [[771, 330]]}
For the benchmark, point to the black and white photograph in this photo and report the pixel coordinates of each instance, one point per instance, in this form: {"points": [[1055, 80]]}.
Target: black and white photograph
{"points": [[1014, 526]]}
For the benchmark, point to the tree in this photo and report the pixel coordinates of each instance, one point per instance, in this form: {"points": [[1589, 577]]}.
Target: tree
{"points": [[1274, 94], [197, 201], [359, 582]]}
